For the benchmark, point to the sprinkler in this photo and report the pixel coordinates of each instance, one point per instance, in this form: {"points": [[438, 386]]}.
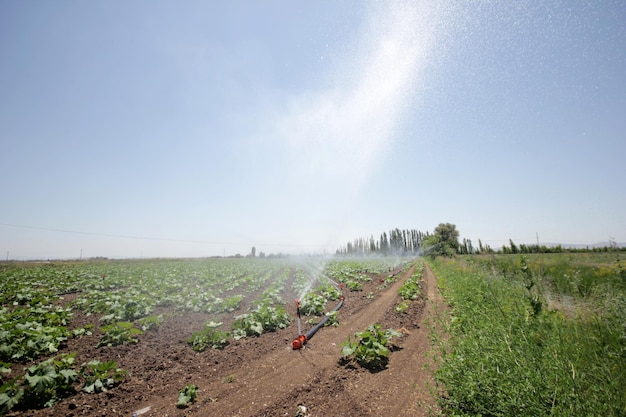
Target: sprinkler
{"points": [[301, 340]]}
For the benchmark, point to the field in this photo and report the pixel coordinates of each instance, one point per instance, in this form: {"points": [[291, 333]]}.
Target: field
{"points": [[524, 335], [214, 337]]}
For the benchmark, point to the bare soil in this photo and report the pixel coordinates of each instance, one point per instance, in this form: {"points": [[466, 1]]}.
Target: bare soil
{"points": [[263, 376]]}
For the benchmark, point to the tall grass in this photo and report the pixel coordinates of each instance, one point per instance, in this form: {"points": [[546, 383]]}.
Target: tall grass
{"points": [[515, 349]]}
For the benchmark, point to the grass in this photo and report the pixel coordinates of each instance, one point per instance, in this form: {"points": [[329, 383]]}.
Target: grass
{"points": [[513, 349]]}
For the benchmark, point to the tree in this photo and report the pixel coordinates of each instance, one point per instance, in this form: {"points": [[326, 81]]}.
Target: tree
{"points": [[443, 242], [253, 252]]}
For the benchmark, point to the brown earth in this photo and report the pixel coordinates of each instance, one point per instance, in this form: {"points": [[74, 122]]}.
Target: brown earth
{"points": [[263, 376]]}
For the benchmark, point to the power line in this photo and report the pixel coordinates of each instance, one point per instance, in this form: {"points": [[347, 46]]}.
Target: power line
{"points": [[205, 242]]}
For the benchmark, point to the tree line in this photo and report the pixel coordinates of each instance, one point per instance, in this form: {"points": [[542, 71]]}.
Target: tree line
{"points": [[397, 242], [445, 241]]}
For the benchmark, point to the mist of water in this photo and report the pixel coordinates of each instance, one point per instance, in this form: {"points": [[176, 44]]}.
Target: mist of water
{"points": [[346, 128], [337, 136]]}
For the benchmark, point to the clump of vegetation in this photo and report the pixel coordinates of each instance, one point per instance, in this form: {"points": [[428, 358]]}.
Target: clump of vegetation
{"points": [[228, 379], [332, 319], [313, 305], [551, 351], [443, 242], [231, 303], [28, 332], [100, 376], [410, 290], [209, 338], [43, 385], [150, 322], [354, 285], [402, 306], [119, 333], [266, 318], [187, 395], [371, 348], [329, 292]]}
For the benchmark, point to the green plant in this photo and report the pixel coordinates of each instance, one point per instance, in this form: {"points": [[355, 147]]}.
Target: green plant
{"points": [[27, 332], [313, 305], [266, 318], [150, 322], [11, 395], [208, 337], [118, 333], [100, 376], [329, 292], [5, 369], [187, 395], [410, 290], [83, 331], [332, 319], [50, 381], [354, 285], [229, 379], [402, 306], [560, 357], [232, 303], [370, 350]]}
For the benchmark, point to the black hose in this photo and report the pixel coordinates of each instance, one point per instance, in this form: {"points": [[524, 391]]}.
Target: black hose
{"points": [[319, 325]]}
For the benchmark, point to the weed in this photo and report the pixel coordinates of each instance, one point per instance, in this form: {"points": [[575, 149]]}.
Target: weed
{"points": [[229, 379]]}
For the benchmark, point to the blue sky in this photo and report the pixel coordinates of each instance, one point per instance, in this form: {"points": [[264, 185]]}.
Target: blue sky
{"points": [[152, 129]]}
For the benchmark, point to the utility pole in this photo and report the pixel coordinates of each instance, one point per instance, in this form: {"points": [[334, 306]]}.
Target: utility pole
{"points": [[537, 238]]}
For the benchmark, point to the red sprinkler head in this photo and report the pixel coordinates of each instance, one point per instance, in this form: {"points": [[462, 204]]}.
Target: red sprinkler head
{"points": [[298, 342]]}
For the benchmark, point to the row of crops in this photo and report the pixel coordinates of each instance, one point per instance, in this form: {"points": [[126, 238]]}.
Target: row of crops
{"points": [[124, 299]]}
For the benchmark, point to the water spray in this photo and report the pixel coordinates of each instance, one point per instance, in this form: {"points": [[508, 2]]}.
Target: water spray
{"points": [[298, 314]]}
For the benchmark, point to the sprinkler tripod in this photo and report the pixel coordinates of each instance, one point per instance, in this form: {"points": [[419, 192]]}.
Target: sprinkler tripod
{"points": [[301, 340]]}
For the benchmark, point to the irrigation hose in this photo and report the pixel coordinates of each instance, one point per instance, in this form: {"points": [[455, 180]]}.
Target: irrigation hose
{"points": [[301, 340]]}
